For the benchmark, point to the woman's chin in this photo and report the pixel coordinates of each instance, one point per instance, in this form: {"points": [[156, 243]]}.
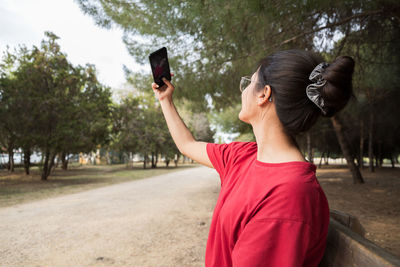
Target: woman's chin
{"points": [[241, 117]]}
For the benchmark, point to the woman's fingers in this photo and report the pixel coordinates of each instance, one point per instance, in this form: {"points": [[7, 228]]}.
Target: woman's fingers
{"points": [[167, 82], [154, 85], [165, 90]]}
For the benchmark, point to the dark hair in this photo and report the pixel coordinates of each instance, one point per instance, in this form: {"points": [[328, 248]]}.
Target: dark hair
{"points": [[287, 73]]}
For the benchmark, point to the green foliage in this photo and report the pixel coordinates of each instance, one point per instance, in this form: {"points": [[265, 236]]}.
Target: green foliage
{"points": [[51, 105], [213, 43]]}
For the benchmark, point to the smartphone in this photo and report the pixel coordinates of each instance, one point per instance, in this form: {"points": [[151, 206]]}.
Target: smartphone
{"points": [[160, 66]]}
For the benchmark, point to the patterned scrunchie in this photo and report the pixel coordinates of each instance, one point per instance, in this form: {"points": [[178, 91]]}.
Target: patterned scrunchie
{"points": [[313, 90]]}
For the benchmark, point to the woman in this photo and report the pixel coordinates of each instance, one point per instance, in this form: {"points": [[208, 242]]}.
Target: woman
{"points": [[271, 210]]}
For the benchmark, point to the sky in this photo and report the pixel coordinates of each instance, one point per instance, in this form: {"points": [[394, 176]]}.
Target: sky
{"points": [[25, 21]]}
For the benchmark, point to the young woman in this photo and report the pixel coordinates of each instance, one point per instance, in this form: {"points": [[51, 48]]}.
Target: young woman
{"points": [[271, 210]]}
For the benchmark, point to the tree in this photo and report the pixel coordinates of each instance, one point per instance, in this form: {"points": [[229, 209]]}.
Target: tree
{"points": [[86, 113], [49, 104], [13, 106], [126, 122], [8, 125]]}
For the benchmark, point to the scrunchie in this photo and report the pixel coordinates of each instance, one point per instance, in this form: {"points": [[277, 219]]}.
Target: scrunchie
{"points": [[313, 90]]}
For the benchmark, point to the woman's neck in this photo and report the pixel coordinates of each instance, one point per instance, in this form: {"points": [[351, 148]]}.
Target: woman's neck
{"points": [[274, 145]]}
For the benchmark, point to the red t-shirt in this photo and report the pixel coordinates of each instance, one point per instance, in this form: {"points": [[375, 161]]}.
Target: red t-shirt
{"points": [[267, 214]]}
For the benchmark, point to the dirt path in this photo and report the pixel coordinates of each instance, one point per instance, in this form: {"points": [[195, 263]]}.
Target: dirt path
{"points": [[159, 221]]}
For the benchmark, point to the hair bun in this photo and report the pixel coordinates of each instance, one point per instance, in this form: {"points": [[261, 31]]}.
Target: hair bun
{"points": [[338, 88]]}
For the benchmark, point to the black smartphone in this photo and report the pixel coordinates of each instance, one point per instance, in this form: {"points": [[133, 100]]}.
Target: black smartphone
{"points": [[160, 66]]}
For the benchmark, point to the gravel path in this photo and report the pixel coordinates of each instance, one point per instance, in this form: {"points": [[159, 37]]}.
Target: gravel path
{"points": [[158, 221]]}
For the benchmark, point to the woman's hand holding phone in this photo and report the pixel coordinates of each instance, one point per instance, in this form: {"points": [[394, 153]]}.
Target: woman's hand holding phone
{"points": [[164, 92]]}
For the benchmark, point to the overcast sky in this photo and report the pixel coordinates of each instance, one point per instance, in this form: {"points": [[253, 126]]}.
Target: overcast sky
{"points": [[25, 21]]}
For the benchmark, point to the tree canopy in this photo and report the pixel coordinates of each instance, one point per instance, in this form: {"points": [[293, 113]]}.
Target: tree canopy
{"points": [[47, 104], [213, 43]]}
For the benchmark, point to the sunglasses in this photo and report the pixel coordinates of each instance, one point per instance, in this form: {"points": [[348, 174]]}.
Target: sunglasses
{"points": [[245, 81]]}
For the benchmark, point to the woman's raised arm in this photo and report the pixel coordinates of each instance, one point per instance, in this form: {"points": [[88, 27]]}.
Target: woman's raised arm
{"points": [[181, 135]]}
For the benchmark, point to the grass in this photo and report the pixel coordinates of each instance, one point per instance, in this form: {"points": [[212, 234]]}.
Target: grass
{"points": [[17, 187]]}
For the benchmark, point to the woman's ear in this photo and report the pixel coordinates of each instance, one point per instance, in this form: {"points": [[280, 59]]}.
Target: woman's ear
{"points": [[264, 96]]}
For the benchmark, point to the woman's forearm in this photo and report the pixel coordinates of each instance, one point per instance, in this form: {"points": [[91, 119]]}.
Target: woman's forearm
{"points": [[179, 132]]}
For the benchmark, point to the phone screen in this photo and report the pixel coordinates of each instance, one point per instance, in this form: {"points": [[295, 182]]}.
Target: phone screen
{"points": [[160, 66]]}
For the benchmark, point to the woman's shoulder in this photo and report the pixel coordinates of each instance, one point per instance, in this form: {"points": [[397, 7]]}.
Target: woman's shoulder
{"points": [[243, 149], [242, 146], [241, 143], [234, 148]]}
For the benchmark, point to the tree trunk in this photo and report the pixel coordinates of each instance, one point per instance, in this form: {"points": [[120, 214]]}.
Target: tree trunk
{"points": [[327, 158], [27, 160], [392, 160], [176, 159], [144, 161], [153, 160], [360, 157], [65, 164], [64, 161], [167, 162], [337, 125], [320, 161], [370, 139], [51, 164], [46, 165], [309, 148], [380, 158], [11, 159]]}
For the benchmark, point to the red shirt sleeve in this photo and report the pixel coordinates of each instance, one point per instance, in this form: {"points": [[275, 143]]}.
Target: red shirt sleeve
{"points": [[272, 242], [219, 155]]}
